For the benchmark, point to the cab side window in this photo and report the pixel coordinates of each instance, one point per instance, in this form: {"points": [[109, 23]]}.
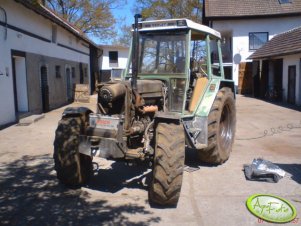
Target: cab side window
{"points": [[215, 62]]}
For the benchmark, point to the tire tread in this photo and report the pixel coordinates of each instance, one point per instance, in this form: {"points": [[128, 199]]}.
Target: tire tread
{"points": [[168, 164]]}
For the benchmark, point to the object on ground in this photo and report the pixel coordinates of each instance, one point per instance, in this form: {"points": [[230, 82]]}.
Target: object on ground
{"points": [[263, 170]]}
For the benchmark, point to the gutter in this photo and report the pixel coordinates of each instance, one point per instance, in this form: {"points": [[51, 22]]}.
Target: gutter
{"points": [[266, 57]]}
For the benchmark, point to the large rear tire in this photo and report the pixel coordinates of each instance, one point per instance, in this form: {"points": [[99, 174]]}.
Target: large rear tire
{"points": [[168, 164], [221, 128], [73, 168]]}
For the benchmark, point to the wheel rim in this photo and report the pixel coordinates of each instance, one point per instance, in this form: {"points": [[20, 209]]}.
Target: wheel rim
{"points": [[226, 131]]}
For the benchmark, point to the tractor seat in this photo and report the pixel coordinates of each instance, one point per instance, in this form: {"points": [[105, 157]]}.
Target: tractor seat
{"points": [[199, 89]]}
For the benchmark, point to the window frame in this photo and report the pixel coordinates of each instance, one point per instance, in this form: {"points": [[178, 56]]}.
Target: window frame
{"points": [[113, 77], [54, 33], [285, 1], [260, 32], [113, 61], [155, 37]]}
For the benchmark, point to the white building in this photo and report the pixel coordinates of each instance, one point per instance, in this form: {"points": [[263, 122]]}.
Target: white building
{"points": [[42, 57], [284, 52], [245, 26], [113, 61]]}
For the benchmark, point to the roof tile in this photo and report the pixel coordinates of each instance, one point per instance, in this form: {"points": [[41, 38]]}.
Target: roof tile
{"points": [[241, 8]]}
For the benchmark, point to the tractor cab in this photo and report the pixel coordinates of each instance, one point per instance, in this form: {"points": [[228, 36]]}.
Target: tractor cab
{"points": [[181, 53]]}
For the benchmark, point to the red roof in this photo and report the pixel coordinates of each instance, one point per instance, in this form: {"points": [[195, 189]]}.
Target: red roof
{"points": [[250, 8]]}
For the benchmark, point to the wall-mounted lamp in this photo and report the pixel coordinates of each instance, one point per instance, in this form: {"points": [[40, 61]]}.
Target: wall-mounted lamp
{"points": [[7, 71]]}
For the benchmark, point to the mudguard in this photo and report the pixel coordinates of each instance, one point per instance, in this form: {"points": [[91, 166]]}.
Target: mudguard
{"points": [[76, 111], [167, 117]]}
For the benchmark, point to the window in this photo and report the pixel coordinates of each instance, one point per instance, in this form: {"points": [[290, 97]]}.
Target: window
{"points": [[113, 57], [285, 1], [54, 33], [57, 71], [257, 39], [163, 53], [116, 73], [198, 61], [215, 63]]}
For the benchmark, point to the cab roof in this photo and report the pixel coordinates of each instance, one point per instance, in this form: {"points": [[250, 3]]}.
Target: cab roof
{"points": [[171, 24]]}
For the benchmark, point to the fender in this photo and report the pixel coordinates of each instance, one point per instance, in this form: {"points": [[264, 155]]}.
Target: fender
{"points": [[170, 117], [230, 84], [76, 112], [205, 103]]}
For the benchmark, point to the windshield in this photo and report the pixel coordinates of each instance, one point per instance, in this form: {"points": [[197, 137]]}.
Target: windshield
{"points": [[162, 53]]}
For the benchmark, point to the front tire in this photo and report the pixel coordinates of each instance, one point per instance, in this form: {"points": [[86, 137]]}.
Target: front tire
{"points": [[221, 128], [168, 164], [72, 167]]}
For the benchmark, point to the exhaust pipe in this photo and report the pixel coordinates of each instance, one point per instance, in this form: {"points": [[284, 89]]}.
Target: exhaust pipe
{"points": [[135, 53]]}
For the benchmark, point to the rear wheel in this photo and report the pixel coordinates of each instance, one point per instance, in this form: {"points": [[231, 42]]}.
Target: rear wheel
{"points": [[168, 164], [72, 168], [221, 128]]}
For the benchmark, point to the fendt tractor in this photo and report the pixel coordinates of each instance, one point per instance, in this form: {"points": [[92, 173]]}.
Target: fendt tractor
{"points": [[172, 96]]}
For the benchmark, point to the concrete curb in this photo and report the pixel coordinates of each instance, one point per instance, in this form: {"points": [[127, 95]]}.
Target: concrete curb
{"points": [[30, 119]]}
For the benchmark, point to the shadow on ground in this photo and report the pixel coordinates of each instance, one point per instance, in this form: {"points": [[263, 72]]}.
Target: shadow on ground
{"points": [[285, 105], [192, 160], [275, 102], [294, 171], [119, 176], [31, 195]]}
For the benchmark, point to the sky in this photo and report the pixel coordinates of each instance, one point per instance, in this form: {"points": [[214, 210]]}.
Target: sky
{"points": [[126, 12]]}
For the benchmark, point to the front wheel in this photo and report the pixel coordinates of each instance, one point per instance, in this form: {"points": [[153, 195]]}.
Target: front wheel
{"points": [[72, 168], [168, 164], [221, 128]]}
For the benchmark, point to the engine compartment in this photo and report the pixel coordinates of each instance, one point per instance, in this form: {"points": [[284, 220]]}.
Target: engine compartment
{"points": [[124, 119], [149, 92]]}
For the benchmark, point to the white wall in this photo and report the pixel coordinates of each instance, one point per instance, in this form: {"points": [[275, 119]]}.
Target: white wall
{"points": [[66, 38], [291, 61], [122, 57], [21, 84], [240, 30], [21, 17]]}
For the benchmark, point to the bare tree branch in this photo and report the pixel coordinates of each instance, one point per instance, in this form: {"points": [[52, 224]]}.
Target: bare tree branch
{"points": [[91, 16], [159, 9]]}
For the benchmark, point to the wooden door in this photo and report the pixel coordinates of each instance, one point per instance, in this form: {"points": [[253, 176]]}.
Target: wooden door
{"points": [[69, 85], [291, 96], [44, 89], [245, 80]]}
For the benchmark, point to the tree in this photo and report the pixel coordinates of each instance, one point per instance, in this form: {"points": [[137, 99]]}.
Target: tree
{"points": [[167, 9], [92, 17], [125, 36]]}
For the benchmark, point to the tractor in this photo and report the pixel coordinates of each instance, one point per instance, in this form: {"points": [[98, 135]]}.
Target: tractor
{"points": [[173, 96]]}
